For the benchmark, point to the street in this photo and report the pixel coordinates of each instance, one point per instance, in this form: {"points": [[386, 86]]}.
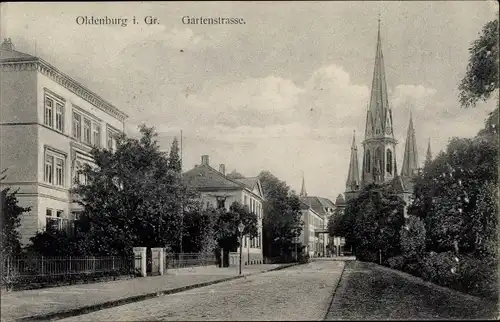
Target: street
{"points": [[298, 293]]}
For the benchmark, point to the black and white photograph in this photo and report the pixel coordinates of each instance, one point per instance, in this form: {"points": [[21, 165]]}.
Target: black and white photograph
{"points": [[249, 160]]}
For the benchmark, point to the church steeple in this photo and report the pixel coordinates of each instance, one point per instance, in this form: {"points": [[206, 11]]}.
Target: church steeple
{"points": [[379, 116], [410, 157], [352, 183], [428, 155], [379, 162], [303, 192]]}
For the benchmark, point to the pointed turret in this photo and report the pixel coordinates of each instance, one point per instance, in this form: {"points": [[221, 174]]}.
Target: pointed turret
{"points": [[303, 192], [352, 183], [428, 155], [410, 157], [379, 117]]}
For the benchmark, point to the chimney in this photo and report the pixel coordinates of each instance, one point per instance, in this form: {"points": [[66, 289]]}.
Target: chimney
{"points": [[7, 45], [204, 160], [222, 169]]}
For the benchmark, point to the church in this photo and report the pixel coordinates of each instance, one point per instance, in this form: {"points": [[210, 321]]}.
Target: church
{"points": [[379, 145]]}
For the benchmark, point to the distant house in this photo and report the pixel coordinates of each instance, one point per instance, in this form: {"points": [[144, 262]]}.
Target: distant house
{"points": [[219, 190], [316, 212]]}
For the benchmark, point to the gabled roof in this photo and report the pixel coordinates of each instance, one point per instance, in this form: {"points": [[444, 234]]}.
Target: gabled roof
{"points": [[204, 177], [251, 183], [318, 204]]}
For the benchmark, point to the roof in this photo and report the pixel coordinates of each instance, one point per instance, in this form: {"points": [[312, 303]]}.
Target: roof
{"points": [[11, 57], [205, 177], [14, 55], [340, 200], [318, 204], [248, 182]]}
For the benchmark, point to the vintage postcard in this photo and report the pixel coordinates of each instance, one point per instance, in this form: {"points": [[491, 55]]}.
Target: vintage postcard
{"points": [[257, 160]]}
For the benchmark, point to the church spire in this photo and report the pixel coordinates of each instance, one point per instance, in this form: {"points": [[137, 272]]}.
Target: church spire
{"points": [[428, 155], [352, 183], [303, 192], [410, 157], [379, 117]]}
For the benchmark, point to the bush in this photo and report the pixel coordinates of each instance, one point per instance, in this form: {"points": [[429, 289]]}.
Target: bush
{"points": [[441, 269], [396, 262], [479, 276]]}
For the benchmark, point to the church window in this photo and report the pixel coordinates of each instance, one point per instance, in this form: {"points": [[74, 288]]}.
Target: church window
{"points": [[389, 161], [367, 161], [378, 159]]}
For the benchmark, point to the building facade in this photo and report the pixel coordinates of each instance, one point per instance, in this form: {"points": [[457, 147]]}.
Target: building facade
{"points": [[219, 190], [316, 212], [48, 125]]}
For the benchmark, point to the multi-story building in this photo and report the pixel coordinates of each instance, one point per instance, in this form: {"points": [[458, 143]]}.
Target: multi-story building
{"points": [[316, 212], [48, 125], [219, 190]]}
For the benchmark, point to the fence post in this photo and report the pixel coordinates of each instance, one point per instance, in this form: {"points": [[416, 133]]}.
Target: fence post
{"points": [[70, 264], [113, 264], [93, 264], [42, 265]]}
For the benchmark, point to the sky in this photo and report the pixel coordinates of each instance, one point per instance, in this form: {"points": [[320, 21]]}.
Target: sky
{"points": [[282, 92]]}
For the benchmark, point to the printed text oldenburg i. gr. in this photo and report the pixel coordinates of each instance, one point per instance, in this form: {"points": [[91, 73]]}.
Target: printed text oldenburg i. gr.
{"points": [[123, 22]]}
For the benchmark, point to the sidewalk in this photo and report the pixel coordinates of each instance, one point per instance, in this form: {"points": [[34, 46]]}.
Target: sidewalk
{"points": [[78, 299]]}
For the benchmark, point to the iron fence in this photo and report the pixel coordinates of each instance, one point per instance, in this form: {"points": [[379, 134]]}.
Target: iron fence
{"points": [[180, 260], [41, 269]]}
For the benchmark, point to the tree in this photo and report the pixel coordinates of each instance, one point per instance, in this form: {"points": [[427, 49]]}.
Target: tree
{"points": [[454, 197], [282, 222], [412, 238], [372, 222], [481, 78], [132, 196], [10, 220], [227, 234]]}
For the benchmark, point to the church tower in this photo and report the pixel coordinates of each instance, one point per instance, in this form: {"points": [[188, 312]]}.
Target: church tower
{"points": [[303, 192], [352, 184], [410, 157], [379, 145]]}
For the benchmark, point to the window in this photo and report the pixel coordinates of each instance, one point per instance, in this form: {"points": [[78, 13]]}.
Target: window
{"points": [[367, 162], [111, 141], [96, 135], [245, 202], [48, 212], [221, 202], [59, 213], [59, 172], [80, 177], [59, 117], [389, 161], [87, 125], [378, 159], [49, 168], [77, 126], [48, 112], [54, 169]]}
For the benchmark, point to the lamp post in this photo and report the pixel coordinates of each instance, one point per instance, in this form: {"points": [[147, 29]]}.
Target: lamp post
{"points": [[240, 229]]}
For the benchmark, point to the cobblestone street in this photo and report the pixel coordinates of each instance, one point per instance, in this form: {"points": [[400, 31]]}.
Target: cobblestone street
{"points": [[298, 293]]}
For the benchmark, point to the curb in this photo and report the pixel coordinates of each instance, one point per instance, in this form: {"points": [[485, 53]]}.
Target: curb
{"points": [[138, 298], [334, 293]]}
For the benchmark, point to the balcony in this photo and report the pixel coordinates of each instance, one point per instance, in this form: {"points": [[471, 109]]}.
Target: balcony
{"points": [[59, 224]]}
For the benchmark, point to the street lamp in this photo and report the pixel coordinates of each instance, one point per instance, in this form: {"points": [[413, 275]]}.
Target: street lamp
{"points": [[240, 229]]}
